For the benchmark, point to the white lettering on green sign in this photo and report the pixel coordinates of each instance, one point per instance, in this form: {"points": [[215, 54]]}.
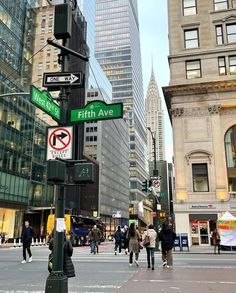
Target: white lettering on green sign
{"points": [[41, 100], [97, 110]]}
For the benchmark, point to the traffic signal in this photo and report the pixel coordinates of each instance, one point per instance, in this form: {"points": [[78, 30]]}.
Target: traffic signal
{"points": [[149, 186], [145, 185]]}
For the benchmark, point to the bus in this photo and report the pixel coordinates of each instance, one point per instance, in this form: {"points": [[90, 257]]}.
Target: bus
{"points": [[77, 228]]}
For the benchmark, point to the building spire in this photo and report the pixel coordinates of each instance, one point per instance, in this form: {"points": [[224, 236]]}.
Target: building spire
{"points": [[152, 65]]}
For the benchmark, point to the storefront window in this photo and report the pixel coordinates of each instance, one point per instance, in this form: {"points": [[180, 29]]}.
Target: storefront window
{"points": [[194, 226]]}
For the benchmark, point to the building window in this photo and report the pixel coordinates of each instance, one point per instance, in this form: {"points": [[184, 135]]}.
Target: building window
{"points": [[40, 66], [200, 178], [231, 33], [221, 4], [193, 69], [191, 38], [232, 64], [189, 7], [219, 35], [222, 66]]}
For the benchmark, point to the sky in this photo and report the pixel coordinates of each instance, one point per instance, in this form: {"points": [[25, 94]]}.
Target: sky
{"points": [[153, 25]]}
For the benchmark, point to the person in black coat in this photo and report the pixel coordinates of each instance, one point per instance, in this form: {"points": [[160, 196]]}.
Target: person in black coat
{"points": [[26, 237], [167, 237], [68, 266], [118, 239]]}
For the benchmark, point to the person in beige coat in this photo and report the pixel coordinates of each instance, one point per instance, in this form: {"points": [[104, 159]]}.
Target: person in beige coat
{"points": [[151, 248], [134, 237]]}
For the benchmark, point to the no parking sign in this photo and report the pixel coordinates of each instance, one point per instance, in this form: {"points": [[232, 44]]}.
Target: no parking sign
{"points": [[59, 142]]}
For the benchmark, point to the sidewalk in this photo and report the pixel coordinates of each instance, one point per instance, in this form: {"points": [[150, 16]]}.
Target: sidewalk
{"points": [[196, 249]]}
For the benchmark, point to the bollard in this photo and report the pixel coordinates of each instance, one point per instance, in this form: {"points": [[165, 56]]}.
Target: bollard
{"points": [[40, 241], [32, 243], [19, 242], [36, 242], [14, 244], [44, 241], [0, 241]]}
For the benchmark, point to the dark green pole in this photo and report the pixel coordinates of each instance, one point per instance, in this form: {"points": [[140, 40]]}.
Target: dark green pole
{"points": [[57, 281]]}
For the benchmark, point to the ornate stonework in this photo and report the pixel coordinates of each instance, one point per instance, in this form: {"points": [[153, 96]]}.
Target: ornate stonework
{"points": [[214, 109], [177, 112]]}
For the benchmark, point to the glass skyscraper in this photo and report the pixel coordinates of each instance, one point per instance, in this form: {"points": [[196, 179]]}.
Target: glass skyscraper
{"points": [[22, 135], [117, 49]]}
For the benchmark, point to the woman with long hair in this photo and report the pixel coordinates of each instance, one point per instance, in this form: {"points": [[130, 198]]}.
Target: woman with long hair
{"points": [[134, 238]]}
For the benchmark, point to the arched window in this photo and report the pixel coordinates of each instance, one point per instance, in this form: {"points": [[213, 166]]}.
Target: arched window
{"points": [[230, 149]]}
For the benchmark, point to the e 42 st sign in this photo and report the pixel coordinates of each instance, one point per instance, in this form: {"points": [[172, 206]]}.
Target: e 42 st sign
{"points": [[44, 101]]}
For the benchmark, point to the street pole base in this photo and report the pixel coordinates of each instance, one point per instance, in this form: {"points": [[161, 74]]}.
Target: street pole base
{"points": [[57, 282]]}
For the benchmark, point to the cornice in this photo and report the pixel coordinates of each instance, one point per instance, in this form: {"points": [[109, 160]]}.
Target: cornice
{"points": [[195, 89], [199, 88]]}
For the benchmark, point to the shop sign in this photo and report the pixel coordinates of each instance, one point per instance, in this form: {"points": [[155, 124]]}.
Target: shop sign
{"points": [[202, 206]]}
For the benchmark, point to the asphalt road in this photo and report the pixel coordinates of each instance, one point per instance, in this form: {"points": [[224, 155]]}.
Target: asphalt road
{"points": [[106, 272]]}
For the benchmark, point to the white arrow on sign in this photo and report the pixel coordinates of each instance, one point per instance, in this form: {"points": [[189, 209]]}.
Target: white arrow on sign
{"points": [[72, 78]]}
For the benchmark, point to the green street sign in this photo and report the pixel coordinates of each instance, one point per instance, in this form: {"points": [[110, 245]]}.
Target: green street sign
{"points": [[162, 193], [97, 110], [44, 101]]}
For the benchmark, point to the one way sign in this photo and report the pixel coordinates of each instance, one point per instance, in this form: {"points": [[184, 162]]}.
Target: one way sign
{"points": [[55, 80], [59, 142]]}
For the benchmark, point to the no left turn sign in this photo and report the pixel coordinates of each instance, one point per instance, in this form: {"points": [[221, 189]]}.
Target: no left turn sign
{"points": [[59, 142]]}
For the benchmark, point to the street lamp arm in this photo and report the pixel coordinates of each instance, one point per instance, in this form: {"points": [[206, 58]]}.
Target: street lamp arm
{"points": [[14, 94]]}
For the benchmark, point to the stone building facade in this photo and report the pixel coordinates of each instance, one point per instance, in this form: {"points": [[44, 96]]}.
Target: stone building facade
{"points": [[201, 101]]}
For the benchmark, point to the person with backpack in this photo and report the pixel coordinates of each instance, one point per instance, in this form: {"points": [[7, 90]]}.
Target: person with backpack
{"points": [[150, 248], [167, 237], [118, 236]]}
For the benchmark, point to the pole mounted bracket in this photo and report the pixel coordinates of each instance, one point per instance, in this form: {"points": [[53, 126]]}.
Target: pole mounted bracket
{"points": [[67, 51]]}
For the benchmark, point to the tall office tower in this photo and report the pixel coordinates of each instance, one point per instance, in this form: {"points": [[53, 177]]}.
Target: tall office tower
{"points": [[117, 49], [155, 121], [22, 146], [107, 142], [202, 104]]}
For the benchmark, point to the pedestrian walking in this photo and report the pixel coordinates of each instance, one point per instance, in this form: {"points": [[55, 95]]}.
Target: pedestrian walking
{"points": [[150, 249], [94, 236], [68, 266], [167, 237], [118, 236], [216, 241], [26, 238], [134, 239], [125, 239]]}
